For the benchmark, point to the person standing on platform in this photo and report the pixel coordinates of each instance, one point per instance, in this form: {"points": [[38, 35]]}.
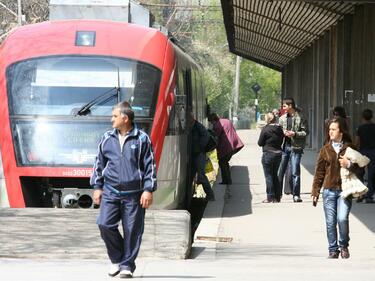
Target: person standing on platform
{"points": [[295, 129], [271, 137], [199, 140], [365, 141], [229, 143], [124, 178], [327, 175]]}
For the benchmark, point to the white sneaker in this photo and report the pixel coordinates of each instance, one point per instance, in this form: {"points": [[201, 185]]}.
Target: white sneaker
{"points": [[126, 274], [114, 269]]}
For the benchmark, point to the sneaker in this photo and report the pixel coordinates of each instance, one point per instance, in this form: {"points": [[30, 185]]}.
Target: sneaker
{"points": [[297, 199], [333, 255], [114, 269], [369, 200], [345, 253], [126, 274]]}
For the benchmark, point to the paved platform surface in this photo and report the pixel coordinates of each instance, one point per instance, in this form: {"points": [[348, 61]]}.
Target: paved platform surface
{"points": [[284, 241]]}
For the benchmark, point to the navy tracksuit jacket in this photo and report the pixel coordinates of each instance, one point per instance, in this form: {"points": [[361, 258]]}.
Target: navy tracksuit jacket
{"points": [[123, 176]]}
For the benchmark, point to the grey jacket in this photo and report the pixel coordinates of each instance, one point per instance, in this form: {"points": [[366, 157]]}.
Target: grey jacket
{"points": [[299, 126]]}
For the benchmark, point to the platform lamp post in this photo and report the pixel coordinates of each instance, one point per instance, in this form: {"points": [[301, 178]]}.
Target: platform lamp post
{"points": [[256, 88]]}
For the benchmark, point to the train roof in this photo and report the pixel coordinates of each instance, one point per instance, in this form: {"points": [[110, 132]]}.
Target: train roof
{"points": [[116, 39]]}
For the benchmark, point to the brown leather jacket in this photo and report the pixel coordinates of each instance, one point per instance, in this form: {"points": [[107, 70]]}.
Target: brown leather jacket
{"points": [[327, 169]]}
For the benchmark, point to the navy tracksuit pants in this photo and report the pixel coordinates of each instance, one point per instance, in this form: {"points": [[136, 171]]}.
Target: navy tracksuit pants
{"points": [[127, 208]]}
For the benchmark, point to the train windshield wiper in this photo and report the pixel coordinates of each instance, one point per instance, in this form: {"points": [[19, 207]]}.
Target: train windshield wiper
{"points": [[85, 109]]}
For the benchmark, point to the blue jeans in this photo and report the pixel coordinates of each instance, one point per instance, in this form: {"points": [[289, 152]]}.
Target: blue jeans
{"points": [[336, 210], [271, 163], [127, 208], [295, 163], [370, 153], [199, 168]]}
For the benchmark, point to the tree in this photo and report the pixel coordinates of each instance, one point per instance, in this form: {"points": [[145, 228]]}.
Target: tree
{"points": [[270, 81], [199, 28], [34, 11]]}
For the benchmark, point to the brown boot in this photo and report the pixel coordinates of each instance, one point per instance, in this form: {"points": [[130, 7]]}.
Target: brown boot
{"points": [[345, 253], [333, 255]]}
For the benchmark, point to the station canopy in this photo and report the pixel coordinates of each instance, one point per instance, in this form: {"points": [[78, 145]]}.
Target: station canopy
{"points": [[273, 33]]}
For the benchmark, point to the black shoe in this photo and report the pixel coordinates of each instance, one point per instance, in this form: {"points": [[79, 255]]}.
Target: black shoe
{"points": [[334, 255], [369, 200], [297, 199], [359, 199]]}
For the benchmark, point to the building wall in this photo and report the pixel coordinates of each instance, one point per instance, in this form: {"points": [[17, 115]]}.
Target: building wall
{"points": [[337, 69]]}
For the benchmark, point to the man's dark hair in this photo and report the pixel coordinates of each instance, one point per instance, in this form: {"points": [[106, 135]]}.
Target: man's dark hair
{"points": [[125, 109], [343, 128], [290, 101], [213, 117], [339, 111], [367, 114]]}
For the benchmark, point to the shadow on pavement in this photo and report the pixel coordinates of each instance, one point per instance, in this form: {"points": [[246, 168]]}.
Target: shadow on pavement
{"points": [[365, 213], [238, 197]]}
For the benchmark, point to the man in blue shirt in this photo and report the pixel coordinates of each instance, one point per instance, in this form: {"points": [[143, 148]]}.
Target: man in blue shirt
{"points": [[124, 179]]}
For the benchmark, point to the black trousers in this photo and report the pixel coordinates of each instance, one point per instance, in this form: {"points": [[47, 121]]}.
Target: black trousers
{"points": [[225, 169]]}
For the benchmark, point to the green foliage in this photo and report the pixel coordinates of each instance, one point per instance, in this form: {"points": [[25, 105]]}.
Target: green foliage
{"points": [[268, 79], [198, 26], [208, 45]]}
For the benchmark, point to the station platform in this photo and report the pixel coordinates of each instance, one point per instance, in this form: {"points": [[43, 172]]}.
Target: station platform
{"points": [[239, 238]]}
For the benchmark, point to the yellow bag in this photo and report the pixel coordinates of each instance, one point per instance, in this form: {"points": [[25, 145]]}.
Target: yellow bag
{"points": [[209, 166]]}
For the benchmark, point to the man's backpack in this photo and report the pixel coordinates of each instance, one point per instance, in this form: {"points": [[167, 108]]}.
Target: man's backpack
{"points": [[212, 141]]}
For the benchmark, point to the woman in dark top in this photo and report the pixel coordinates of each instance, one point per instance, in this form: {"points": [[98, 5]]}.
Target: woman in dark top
{"points": [[271, 139]]}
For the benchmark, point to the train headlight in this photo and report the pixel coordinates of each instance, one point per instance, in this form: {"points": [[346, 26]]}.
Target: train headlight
{"points": [[85, 38], [70, 201]]}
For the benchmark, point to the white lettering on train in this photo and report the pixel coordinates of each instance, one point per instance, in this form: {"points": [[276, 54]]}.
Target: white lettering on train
{"points": [[77, 173]]}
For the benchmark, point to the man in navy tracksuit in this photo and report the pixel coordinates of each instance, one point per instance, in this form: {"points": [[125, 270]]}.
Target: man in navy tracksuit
{"points": [[124, 178]]}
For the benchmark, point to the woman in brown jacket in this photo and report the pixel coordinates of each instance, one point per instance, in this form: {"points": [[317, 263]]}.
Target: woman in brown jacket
{"points": [[327, 175]]}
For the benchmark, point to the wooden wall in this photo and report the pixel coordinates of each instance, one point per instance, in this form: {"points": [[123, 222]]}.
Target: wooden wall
{"points": [[337, 69]]}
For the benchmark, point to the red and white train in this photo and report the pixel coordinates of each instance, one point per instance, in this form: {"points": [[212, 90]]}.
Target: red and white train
{"points": [[59, 82]]}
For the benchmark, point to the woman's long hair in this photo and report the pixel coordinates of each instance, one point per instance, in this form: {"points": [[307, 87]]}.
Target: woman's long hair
{"points": [[270, 118], [343, 127]]}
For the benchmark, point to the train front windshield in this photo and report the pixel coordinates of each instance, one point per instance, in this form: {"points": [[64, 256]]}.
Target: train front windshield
{"points": [[60, 106]]}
